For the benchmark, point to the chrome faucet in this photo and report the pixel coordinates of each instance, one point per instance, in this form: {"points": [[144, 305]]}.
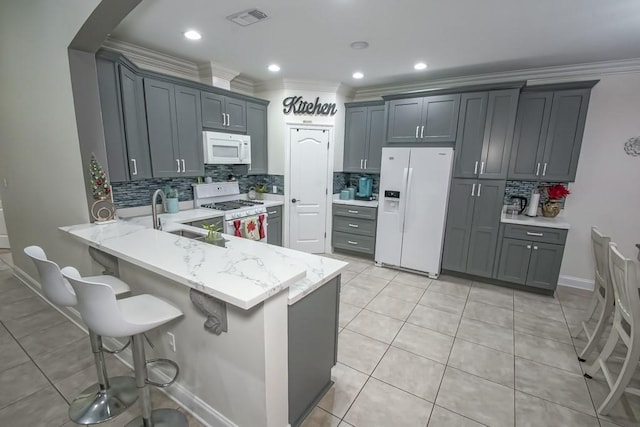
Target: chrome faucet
{"points": [[157, 224]]}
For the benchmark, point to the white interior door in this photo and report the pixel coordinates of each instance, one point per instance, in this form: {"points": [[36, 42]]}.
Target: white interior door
{"points": [[308, 205]]}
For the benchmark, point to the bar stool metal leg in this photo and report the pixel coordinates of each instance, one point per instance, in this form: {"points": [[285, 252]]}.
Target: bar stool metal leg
{"points": [[108, 398], [150, 418]]}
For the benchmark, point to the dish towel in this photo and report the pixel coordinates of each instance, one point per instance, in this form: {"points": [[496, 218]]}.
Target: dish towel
{"points": [[251, 229]]}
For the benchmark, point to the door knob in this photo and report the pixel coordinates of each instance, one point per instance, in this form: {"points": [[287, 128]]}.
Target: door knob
{"points": [[293, 200]]}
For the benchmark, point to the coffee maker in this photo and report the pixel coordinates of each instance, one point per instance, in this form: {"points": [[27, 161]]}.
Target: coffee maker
{"points": [[365, 188]]}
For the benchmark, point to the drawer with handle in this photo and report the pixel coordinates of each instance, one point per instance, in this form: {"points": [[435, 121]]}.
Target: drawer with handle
{"points": [[536, 234], [274, 211], [366, 227], [354, 242], [354, 211]]}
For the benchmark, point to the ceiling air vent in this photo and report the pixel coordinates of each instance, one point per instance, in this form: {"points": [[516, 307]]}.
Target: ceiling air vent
{"points": [[247, 17]]}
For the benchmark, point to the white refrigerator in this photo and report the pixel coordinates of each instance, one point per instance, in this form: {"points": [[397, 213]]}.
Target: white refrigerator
{"points": [[412, 209]]}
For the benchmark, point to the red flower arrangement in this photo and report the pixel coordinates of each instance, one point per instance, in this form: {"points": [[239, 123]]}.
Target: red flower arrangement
{"points": [[556, 192]]}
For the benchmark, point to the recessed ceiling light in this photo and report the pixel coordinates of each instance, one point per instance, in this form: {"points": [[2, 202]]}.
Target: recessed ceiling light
{"points": [[359, 45], [192, 35], [420, 66], [274, 67], [358, 75]]}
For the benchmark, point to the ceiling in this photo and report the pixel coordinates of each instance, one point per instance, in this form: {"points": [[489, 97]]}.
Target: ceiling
{"points": [[310, 39]]}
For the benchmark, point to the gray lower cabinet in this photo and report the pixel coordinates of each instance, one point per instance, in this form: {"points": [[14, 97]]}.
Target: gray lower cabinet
{"points": [[354, 229], [431, 119], [472, 229], [548, 134], [364, 137], [174, 123], [257, 130], [531, 256], [223, 112], [313, 348], [274, 229]]}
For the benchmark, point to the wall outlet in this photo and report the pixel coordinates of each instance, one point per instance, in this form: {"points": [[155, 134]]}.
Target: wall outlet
{"points": [[172, 341], [275, 189]]}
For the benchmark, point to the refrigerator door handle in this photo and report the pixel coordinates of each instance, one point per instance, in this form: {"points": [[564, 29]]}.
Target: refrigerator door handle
{"points": [[403, 198]]}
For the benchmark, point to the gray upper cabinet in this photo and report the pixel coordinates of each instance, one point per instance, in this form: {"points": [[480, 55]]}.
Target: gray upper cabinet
{"points": [[431, 119], [364, 138], [135, 124], [548, 134], [175, 128], [257, 130], [485, 134], [223, 112], [458, 228]]}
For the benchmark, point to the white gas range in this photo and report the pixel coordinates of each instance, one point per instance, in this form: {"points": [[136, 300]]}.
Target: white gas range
{"points": [[242, 217]]}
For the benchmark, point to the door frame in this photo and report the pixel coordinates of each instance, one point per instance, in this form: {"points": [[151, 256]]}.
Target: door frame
{"points": [[287, 180]]}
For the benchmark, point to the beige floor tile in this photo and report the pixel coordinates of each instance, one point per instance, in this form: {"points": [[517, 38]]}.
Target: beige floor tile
{"points": [[437, 320], [380, 404], [534, 412], [50, 339], [21, 308], [443, 302], [412, 279], [451, 286], [625, 413], [359, 352], [16, 294], [370, 283], [481, 400], [533, 296], [45, 408], [33, 323], [7, 281], [424, 342], [357, 266], [346, 276], [320, 418], [356, 296], [556, 385], [492, 294], [484, 362], [409, 372], [66, 361], [19, 382], [401, 291], [376, 326], [489, 314], [392, 307], [549, 352], [539, 305], [546, 328], [11, 354], [441, 417], [347, 384], [380, 272], [486, 334], [574, 316], [347, 313], [573, 298]]}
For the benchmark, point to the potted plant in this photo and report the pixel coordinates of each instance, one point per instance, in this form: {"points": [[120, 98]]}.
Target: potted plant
{"points": [[172, 199], [260, 190], [214, 235], [555, 193]]}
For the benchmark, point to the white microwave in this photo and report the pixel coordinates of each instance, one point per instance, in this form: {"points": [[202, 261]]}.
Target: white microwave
{"points": [[226, 148]]}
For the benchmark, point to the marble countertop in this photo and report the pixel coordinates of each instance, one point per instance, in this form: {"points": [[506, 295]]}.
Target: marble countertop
{"points": [[353, 202], [181, 217], [537, 221]]}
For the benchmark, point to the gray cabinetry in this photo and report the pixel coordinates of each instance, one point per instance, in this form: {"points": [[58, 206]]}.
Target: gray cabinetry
{"points": [[223, 112], [431, 119], [548, 135], [257, 130], [485, 133], [354, 228], [472, 228], [274, 228], [364, 137], [175, 126], [514, 261]]}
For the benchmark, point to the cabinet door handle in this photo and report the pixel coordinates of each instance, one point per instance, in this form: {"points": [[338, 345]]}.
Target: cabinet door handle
{"points": [[184, 169], [353, 212], [528, 246], [422, 132], [272, 213], [354, 225], [529, 233], [417, 128], [228, 120], [538, 169], [481, 168], [351, 242], [535, 248], [224, 120], [473, 190], [135, 167], [178, 162], [479, 188], [365, 163], [544, 169], [361, 163], [475, 168]]}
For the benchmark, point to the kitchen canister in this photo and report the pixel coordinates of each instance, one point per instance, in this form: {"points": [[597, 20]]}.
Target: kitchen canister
{"points": [[344, 195], [352, 192]]}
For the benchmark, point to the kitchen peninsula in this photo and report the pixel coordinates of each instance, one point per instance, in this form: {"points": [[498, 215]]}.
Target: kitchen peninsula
{"points": [[274, 360]]}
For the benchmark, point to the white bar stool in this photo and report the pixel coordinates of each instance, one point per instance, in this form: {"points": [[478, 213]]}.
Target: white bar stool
{"points": [[109, 397], [129, 317], [626, 288], [602, 294]]}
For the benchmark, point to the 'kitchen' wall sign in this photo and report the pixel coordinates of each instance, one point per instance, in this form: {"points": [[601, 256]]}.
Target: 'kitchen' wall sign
{"points": [[295, 105]]}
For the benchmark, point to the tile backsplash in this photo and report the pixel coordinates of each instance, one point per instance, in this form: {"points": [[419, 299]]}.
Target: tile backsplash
{"points": [[138, 193], [524, 188], [342, 179]]}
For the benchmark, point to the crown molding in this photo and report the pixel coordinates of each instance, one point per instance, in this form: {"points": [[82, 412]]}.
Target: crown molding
{"points": [[153, 60], [209, 70], [299, 84], [244, 85], [533, 76]]}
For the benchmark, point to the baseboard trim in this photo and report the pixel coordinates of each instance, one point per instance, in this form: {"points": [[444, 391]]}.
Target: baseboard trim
{"points": [[576, 282], [176, 392]]}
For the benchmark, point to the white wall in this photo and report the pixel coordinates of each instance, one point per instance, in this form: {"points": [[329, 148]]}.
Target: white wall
{"points": [[39, 149], [607, 188]]}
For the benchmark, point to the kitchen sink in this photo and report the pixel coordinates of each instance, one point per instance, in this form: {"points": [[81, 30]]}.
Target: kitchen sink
{"points": [[188, 234]]}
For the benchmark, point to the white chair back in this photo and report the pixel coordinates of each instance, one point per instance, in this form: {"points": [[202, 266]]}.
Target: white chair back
{"points": [[54, 286], [600, 244], [625, 285]]}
